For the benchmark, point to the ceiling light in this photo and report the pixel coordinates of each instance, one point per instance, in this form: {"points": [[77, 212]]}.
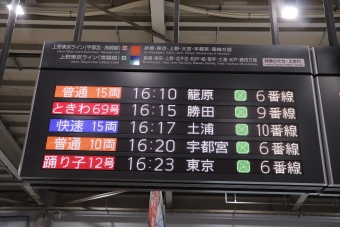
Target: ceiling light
{"points": [[9, 6], [19, 10], [289, 12]]}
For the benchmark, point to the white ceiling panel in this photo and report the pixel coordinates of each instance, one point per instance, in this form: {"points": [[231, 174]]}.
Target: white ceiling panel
{"points": [[30, 62], [42, 35], [259, 38], [304, 38], [20, 35], [135, 36], [100, 35], [209, 37], [300, 38], [195, 37]]}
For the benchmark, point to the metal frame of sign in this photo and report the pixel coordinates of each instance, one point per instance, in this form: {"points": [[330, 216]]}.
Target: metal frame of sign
{"points": [[295, 75], [327, 70]]}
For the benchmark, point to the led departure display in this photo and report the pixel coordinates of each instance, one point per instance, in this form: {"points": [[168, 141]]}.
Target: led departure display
{"points": [[79, 162], [65, 125], [171, 165], [157, 93], [174, 127], [110, 109], [88, 92], [83, 144], [152, 110], [172, 146]]}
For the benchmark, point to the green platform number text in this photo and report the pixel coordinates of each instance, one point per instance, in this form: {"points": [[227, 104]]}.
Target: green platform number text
{"points": [[240, 95], [241, 112], [242, 129], [242, 148], [243, 166]]}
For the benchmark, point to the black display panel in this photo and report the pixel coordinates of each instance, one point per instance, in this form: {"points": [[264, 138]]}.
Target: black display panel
{"points": [[329, 98], [249, 129], [326, 60]]}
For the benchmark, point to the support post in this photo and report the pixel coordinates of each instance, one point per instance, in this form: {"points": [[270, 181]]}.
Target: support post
{"points": [[78, 30], [330, 22], [16, 62], [99, 196], [8, 37], [176, 21], [168, 199], [117, 32], [157, 8], [274, 27], [44, 219], [217, 34]]}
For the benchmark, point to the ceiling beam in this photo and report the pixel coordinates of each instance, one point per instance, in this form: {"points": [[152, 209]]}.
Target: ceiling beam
{"points": [[17, 124], [30, 2], [15, 109], [298, 201], [19, 135], [10, 152], [16, 99], [194, 20], [13, 201], [10, 156], [157, 8], [71, 23], [99, 196], [17, 62]]}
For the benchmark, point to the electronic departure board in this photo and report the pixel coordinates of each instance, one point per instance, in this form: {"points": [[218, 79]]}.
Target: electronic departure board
{"points": [[328, 83], [147, 126]]}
